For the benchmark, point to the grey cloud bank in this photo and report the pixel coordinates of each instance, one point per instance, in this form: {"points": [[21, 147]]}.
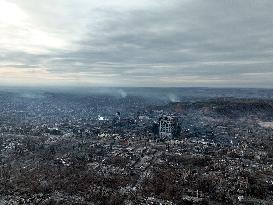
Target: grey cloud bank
{"points": [[211, 43]]}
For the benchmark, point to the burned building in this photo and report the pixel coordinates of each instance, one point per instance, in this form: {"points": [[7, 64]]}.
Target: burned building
{"points": [[167, 126]]}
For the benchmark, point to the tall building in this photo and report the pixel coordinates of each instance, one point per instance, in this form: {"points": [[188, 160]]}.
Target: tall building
{"points": [[116, 119], [167, 126]]}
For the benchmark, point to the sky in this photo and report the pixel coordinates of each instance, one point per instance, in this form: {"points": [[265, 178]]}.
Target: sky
{"points": [[142, 43]]}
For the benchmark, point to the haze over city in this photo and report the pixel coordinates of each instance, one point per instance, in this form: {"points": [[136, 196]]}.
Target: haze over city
{"points": [[187, 43], [122, 102]]}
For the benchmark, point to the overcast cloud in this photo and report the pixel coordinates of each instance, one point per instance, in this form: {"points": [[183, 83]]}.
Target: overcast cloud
{"points": [[219, 43]]}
